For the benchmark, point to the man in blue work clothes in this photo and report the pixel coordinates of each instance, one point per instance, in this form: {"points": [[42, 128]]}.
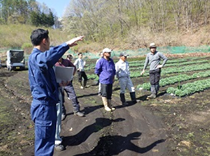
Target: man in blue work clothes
{"points": [[105, 69], [153, 59], [44, 88]]}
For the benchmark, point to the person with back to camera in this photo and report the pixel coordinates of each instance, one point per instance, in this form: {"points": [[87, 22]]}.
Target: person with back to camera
{"points": [[123, 75], [153, 59], [105, 69], [80, 64], [44, 88]]}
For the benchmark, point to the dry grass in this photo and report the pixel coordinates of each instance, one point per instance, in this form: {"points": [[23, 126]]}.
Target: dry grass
{"points": [[16, 36]]}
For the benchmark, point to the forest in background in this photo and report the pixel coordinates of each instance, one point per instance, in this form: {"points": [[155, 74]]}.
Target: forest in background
{"points": [[119, 24], [26, 12], [137, 20]]}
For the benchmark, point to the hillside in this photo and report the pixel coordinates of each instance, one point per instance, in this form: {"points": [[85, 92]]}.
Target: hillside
{"points": [[107, 23], [18, 36]]}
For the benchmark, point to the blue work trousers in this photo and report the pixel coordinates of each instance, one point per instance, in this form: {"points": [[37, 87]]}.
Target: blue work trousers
{"points": [[44, 117]]}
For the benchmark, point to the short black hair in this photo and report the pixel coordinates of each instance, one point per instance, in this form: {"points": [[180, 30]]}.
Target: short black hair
{"points": [[69, 56], [79, 53], [38, 35]]}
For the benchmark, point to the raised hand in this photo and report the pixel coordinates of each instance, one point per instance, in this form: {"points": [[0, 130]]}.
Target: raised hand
{"points": [[74, 41]]}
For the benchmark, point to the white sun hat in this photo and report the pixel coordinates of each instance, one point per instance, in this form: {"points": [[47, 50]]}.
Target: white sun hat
{"points": [[106, 50], [152, 45]]}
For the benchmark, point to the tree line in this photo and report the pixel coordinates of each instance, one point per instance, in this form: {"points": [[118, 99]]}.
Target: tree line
{"points": [[127, 21], [101, 20], [26, 12]]}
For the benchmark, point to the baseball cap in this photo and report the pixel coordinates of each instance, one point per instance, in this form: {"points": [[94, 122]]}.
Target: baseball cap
{"points": [[123, 54], [106, 50]]}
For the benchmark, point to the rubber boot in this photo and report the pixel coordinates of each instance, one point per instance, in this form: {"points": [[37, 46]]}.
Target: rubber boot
{"points": [[157, 89], [85, 84], [153, 90], [81, 86], [122, 98], [133, 97], [110, 104], [105, 102]]}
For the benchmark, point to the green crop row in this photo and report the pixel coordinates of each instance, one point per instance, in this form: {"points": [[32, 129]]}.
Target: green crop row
{"points": [[172, 64], [175, 61], [167, 70], [183, 69], [90, 66], [134, 64], [169, 63], [176, 79], [186, 63], [92, 76], [189, 88], [186, 68]]}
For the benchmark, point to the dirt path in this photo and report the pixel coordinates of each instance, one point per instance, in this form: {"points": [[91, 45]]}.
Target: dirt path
{"points": [[129, 130]]}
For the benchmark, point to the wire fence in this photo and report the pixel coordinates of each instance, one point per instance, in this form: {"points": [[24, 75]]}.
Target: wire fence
{"points": [[144, 51]]}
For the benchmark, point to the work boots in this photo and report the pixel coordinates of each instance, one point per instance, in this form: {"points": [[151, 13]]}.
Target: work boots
{"points": [[81, 86], [85, 84], [106, 104], [133, 97], [122, 98], [110, 104]]}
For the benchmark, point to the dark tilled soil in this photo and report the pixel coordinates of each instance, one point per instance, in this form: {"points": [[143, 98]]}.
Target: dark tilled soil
{"points": [[164, 126], [129, 130]]}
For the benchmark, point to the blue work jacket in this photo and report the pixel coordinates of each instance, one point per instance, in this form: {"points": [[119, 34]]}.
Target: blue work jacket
{"points": [[42, 80], [106, 70]]}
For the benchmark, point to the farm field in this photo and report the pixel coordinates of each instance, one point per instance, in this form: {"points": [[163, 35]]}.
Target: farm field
{"points": [[176, 123]]}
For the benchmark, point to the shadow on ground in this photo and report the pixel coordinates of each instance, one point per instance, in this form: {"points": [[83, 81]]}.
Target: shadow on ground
{"points": [[114, 145]]}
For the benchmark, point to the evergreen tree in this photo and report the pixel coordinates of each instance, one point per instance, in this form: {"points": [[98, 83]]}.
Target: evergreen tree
{"points": [[25, 11]]}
